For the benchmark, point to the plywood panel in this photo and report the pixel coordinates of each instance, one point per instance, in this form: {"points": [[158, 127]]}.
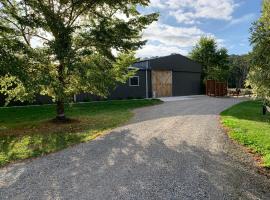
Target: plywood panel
{"points": [[161, 83]]}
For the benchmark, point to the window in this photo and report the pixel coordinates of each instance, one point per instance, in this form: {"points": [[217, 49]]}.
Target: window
{"points": [[134, 81]]}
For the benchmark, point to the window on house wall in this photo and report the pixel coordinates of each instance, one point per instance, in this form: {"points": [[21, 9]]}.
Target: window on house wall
{"points": [[134, 81]]}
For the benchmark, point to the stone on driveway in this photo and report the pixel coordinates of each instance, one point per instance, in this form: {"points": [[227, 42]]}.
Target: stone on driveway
{"points": [[175, 150]]}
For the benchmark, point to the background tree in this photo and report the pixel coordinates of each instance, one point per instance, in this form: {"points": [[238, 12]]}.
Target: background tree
{"points": [[239, 68], [259, 75], [62, 47], [214, 61]]}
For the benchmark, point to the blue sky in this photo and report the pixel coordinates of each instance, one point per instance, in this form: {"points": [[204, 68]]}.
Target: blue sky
{"points": [[183, 22]]}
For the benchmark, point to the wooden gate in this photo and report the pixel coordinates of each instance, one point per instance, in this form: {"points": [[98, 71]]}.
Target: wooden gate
{"points": [[215, 88], [161, 83]]}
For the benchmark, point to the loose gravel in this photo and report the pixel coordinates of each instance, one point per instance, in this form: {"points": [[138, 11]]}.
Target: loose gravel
{"points": [[175, 150]]}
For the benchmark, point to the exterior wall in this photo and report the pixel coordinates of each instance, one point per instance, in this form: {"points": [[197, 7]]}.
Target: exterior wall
{"points": [[40, 99], [186, 83], [186, 77], [85, 97], [186, 73], [2, 100], [125, 91], [175, 62], [150, 94]]}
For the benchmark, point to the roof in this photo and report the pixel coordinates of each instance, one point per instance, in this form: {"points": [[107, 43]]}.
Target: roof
{"points": [[176, 62], [158, 57]]}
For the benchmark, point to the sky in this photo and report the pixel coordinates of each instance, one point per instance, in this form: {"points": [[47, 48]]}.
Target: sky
{"points": [[182, 22]]}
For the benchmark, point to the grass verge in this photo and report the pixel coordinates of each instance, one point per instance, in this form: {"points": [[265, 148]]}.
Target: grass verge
{"points": [[249, 127], [29, 132]]}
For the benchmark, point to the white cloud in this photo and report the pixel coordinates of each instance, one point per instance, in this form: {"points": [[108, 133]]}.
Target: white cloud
{"points": [[157, 4], [171, 35], [164, 39], [245, 18], [183, 17], [191, 11], [170, 39], [150, 50]]}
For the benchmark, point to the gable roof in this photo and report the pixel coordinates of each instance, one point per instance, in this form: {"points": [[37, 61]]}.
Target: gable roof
{"points": [[174, 62]]}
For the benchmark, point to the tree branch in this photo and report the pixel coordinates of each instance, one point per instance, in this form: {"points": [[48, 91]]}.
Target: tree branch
{"points": [[11, 4], [10, 21], [39, 36], [21, 29], [25, 39], [71, 12], [72, 21]]}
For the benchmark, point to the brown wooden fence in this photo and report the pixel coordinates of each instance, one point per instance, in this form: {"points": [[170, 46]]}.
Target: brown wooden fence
{"points": [[216, 88]]}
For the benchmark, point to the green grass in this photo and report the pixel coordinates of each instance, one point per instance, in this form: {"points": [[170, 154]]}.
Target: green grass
{"points": [[249, 127], [28, 132]]}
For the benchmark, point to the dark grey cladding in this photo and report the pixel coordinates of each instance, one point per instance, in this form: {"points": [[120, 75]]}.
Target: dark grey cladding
{"points": [[174, 62]]}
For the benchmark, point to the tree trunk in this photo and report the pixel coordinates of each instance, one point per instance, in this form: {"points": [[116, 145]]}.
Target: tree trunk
{"points": [[60, 107], [60, 110], [264, 109]]}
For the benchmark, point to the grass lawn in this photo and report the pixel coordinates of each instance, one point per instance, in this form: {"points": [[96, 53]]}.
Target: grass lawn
{"points": [[248, 126], [29, 132]]}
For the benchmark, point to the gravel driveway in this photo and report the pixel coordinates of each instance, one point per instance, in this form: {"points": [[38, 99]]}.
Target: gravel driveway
{"points": [[171, 151]]}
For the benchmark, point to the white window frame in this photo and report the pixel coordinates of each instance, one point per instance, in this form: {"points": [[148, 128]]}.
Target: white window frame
{"points": [[134, 85]]}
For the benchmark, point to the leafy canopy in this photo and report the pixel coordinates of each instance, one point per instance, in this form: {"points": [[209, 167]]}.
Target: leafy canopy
{"points": [[239, 68], [259, 76], [63, 47], [214, 61]]}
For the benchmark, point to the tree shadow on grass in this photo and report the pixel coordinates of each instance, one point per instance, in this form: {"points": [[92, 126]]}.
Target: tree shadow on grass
{"points": [[122, 166], [32, 145]]}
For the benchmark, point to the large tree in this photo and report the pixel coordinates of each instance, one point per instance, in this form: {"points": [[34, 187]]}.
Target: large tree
{"points": [[239, 68], [63, 47], [214, 60], [259, 76]]}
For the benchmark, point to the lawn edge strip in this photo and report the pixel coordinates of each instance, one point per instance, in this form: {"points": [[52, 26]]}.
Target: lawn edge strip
{"points": [[257, 157]]}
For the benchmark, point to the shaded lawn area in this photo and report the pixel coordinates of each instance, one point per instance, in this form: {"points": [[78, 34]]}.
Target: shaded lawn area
{"points": [[29, 132], [248, 126]]}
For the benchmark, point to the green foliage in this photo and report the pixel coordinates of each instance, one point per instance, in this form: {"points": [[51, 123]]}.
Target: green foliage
{"points": [[27, 132], [259, 76], [248, 126], [239, 68], [60, 48], [213, 60]]}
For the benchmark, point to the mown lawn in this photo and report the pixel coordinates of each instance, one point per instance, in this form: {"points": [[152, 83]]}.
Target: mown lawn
{"points": [[29, 132], [248, 126]]}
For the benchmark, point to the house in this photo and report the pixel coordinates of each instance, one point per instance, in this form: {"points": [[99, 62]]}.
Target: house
{"points": [[173, 75]]}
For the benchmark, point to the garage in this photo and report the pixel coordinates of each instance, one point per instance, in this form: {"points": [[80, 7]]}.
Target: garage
{"points": [[173, 75]]}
